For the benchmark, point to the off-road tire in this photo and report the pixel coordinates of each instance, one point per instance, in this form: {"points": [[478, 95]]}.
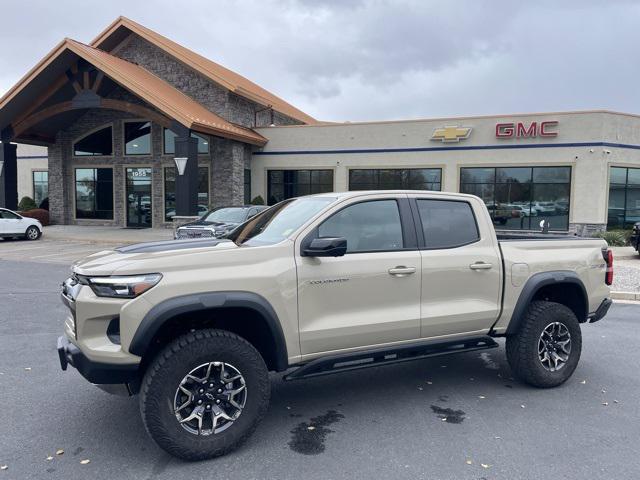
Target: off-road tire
{"points": [[167, 370], [522, 347]]}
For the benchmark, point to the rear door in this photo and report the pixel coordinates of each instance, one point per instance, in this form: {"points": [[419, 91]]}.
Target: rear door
{"points": [[461, 265], [369, 296]]}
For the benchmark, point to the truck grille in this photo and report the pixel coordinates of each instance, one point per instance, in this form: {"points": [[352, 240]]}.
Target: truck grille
{"points": [[195, 233]]}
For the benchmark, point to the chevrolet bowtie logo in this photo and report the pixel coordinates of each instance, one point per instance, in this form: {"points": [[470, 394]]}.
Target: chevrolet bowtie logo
{"points": [[451, 134]]}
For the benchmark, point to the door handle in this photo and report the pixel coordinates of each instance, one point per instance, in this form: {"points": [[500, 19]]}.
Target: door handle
{"points": [[401, 271], [480, 266]]}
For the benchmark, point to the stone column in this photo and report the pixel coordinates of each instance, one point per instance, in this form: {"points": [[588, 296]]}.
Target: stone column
{"points": [[9, 176], [228, 162]]}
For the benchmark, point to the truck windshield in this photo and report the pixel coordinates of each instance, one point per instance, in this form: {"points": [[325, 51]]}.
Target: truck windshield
{"points": [[278, 222]]}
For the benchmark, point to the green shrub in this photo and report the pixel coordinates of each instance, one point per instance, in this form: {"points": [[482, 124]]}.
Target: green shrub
{"points": [[615, 238], [257, 200], [27, 203]]}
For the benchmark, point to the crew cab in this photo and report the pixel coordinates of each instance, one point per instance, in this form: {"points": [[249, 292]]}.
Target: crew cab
{"points": [[318, 285]]}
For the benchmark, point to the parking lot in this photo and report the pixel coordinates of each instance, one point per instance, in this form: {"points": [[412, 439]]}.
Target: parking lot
{"points": [[457, 417]]}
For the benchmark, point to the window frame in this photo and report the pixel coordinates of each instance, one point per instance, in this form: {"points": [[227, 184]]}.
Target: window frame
{"points": [[193, 134], [113, 189], [378, 169], [33, 184], [294, 169], [407, 226], [626, 186], [494, 184], [124, 138], [164, 188], [91, 132], [422, 242]]}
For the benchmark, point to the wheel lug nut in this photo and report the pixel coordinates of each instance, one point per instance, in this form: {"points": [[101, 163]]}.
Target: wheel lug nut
{"points": [[211, 385], [219, 390], [208, 407], [201, 390], [218, 401], [199, 402]]}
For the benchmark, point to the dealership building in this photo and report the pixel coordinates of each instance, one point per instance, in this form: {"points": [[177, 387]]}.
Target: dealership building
{"points": [[142, 132]]}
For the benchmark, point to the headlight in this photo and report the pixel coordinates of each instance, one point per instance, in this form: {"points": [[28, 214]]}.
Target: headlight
{"points": [[129, 286]]}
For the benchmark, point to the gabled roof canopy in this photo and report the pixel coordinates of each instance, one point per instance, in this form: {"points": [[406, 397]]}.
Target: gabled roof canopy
{"points": [[25, 105], [118, 31]]}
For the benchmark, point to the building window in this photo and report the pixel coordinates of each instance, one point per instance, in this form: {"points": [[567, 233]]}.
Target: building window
{"points": [[170, 146], [393, 179], [170, 191], [247, 186], [137, 138], [624, 197], [94, 193], [40, 186], [518, 198], [98, 143], [283, 184]]}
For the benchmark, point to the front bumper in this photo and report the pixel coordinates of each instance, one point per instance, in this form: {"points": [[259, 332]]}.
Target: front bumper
{"points": [[95, 372], [601, 311]]}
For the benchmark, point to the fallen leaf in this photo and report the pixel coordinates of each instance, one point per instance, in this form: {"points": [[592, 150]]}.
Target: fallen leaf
{"points": [[85, 461], [616, 401], [482, 397], [604, 391], [59, 452], [485, 465], [4, 467], [469, 462], [444, 419], [28, 369], [583, 382], [311, 427], [497, 438], [523, 406], [429, 383], [420, 388], [605, 404], [49, 457]]}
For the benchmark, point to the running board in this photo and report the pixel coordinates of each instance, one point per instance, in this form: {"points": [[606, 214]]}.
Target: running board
{"points": [[387, 356]]}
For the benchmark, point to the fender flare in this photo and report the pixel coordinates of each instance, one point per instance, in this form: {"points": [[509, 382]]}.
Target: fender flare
{"points": [[534, 284], [166, 310]]}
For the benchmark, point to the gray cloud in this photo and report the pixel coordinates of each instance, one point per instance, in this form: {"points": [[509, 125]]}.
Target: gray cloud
{"points": [[374, 59]]}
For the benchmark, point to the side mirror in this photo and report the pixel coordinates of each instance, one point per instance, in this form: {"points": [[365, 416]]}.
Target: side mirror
{"points": [[325, 247]]}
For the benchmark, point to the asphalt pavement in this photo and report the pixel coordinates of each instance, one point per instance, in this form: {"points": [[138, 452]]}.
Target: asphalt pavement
{"points": [[457, 417]]}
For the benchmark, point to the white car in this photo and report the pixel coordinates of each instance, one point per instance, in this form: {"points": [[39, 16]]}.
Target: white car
{"points": [[14, 225]]}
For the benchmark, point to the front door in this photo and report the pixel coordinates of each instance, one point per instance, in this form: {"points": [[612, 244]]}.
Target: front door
{"points": [[139, 197], [369, 296]]}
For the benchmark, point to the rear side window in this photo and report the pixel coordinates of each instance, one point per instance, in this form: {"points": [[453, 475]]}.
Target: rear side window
{"points": [[368, 226], [447, 223]]}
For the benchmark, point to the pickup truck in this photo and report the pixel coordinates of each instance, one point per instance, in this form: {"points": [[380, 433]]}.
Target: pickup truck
{"points": [[317, 285]]}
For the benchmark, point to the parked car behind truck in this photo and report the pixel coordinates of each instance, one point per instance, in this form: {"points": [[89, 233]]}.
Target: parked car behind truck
{"points": [[318, 285]]}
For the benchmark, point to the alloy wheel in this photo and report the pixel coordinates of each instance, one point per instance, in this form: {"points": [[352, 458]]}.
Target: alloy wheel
{"points": [[32, 233], [210, 398], [554, 346]]}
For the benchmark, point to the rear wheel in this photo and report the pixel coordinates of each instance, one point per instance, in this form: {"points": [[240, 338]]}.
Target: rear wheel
{"points": [[545, 350], [204, 394], [32, 233]]}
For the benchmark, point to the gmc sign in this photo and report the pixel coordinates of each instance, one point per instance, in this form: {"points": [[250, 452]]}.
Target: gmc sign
{"points": [[521, 130]]}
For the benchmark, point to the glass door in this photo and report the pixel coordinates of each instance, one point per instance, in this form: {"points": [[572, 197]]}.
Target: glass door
{"points": [[139, 197]]}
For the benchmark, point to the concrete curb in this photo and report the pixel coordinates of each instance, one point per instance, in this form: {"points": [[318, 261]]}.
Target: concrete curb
{"points": [[625, 296]]}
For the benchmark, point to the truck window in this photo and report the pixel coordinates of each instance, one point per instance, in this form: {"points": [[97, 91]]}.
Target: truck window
{"points": [[447, 223], [367, 226]]}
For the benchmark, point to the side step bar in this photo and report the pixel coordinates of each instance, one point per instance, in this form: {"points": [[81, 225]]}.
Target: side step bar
{"points": [[387, 356]]}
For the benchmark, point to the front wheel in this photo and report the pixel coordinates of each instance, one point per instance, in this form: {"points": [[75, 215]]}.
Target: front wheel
{"points": [[545, 350], [32, 233], [204, 394]]}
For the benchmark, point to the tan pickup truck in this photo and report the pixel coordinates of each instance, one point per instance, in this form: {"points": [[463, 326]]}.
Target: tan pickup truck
{"points": [[318, 285]]}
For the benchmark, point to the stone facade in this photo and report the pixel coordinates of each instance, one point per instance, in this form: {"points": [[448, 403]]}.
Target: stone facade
{"points": [[226, 160], [587, 229]]}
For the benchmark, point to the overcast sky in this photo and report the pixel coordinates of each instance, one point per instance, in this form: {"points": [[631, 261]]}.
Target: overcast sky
{"points": [[376, 60]]}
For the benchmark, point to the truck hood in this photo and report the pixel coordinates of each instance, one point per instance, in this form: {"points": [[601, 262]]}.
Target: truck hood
{"points": [[150, 257]]}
